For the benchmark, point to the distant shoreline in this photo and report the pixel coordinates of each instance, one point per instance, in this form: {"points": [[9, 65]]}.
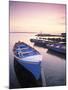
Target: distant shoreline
{"points": [[23, 32]]}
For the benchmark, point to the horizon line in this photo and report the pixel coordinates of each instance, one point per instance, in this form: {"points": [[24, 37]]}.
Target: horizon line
{"points": [[22, 32]]}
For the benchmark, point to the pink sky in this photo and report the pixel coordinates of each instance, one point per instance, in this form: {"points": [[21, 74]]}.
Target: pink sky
{"points": [[37, 17]]}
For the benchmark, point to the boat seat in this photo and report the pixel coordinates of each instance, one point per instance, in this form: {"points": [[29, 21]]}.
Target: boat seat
{"points": [[20, 49], [57, 46], [22, 53]]}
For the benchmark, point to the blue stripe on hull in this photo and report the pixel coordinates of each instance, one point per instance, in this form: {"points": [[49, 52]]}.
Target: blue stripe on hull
{"points": [[33, 67]]}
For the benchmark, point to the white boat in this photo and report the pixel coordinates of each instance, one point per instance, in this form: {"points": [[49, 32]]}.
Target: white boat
{"points": [[29, 58]]}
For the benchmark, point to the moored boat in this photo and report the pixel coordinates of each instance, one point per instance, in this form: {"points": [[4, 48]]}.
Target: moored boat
{"points": [[39, 42], [29, 58], [57, 47]]}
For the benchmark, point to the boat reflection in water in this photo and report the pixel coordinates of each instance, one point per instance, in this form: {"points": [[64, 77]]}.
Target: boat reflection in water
{"points": [[60, 55], [27, 64]]}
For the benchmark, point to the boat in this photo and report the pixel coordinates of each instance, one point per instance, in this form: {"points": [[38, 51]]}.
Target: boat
{"points": [[57, 47], [32, 40], [39, 42], [29, 59]]}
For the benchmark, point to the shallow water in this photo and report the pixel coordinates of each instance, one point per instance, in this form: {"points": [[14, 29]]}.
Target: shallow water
{"points": [[53, 64]]}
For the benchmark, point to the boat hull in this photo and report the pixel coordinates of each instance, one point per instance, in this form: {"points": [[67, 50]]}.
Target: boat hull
{"points": [[32, 64], [26, 73], [57, 50]]}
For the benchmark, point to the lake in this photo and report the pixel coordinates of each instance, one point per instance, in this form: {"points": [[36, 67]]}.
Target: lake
{"points": [[53, 64]]}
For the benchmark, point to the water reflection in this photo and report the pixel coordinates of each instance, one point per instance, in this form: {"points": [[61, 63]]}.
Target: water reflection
{"points": [[57, 54]]}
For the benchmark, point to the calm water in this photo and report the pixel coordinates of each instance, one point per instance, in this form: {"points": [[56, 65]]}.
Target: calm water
{"points": [[53, 64]]}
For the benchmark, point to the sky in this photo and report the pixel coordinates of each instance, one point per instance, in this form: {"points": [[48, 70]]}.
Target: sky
{"points": [[37, 17]]}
